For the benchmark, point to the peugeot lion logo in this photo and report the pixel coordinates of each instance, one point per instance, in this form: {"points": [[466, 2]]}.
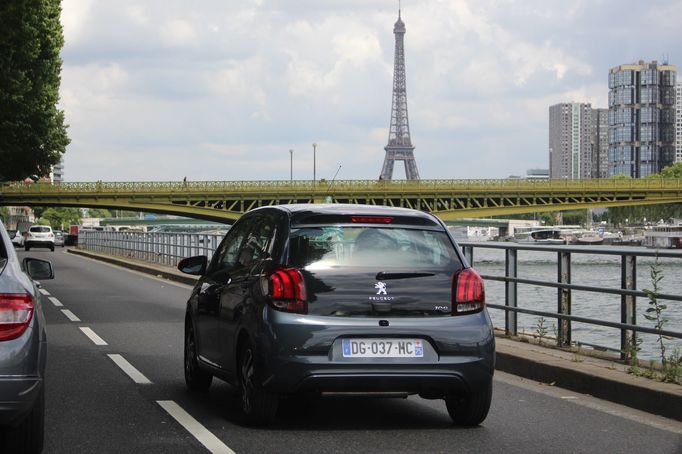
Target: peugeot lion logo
{"points": [[382, 288]]}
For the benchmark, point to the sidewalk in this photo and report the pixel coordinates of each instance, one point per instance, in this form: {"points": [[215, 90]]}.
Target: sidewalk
{"points": [[584, 374]]}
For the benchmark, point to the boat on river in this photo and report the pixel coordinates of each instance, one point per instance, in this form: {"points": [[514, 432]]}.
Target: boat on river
{"points": [[589, 237], [540, 236], [663, 237]]}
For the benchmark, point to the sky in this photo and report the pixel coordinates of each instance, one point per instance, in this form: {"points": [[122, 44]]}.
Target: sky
{"points": [[161, 90]]}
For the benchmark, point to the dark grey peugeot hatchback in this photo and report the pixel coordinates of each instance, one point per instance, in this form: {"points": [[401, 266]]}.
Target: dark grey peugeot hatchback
{"points": [[340, 299]]}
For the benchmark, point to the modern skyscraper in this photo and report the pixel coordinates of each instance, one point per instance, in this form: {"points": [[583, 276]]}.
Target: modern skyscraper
{"points": [[599, 143], [399, 147], [570, 126], [58, 172], [678, 122], [641, 118]]}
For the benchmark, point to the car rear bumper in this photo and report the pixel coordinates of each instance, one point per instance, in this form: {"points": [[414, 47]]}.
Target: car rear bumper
{"points": [[39, 243], [17, 397], [304, 354]]}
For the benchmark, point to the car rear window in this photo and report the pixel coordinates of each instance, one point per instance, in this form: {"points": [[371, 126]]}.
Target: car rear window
{"points": [[362, 246], [40, 229]]}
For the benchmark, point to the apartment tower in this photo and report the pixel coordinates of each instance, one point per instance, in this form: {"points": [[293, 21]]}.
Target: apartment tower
{"points": [[641, 118], [570, 137]]}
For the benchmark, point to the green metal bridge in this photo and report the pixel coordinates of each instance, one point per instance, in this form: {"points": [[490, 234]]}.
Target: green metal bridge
{"points": [[449, 199]]}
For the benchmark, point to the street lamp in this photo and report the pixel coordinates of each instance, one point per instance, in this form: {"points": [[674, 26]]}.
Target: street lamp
{"points": [[291, 165], [314, 164]]}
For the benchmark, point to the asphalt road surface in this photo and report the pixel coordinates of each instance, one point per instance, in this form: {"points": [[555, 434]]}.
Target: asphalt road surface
{"points": [[115, 385]]}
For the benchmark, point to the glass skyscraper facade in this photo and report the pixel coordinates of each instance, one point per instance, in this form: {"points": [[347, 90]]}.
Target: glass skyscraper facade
{"points": [[641, 118]]}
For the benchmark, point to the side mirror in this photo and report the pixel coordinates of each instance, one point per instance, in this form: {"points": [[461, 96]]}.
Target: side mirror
{"points": [[194, 265], [38, 269]]}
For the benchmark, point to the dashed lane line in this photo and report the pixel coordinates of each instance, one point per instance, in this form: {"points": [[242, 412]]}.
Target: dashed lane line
{"points": [[194, 427], [44, 292], [92, 336], [129, 369], [70, 315], [55, 301]]}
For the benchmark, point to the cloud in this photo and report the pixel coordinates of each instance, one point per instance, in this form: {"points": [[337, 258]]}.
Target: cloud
{"points": [[223, 89]]}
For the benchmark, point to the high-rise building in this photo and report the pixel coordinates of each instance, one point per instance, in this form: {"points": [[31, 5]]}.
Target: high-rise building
{"points": [[399, 147], [641, 118], [678, 122], [599, 143], [58, 172], [570, 136]]}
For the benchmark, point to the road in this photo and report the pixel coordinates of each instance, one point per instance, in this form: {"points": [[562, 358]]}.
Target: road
{"points": [[93, 405]]}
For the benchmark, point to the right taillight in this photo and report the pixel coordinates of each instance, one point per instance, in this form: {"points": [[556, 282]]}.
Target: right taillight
{"points": [[468, 295], [16, 311], [287, 291]]}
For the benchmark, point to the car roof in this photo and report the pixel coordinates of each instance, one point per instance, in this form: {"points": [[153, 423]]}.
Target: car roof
{"points": [[300, 211]]}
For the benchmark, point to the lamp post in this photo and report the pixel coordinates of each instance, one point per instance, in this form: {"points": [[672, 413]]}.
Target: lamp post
{"points": [[314, 164], [291, 165]]}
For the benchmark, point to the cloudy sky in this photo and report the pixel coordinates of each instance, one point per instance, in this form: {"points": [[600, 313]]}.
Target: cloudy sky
{"points": [[222, 89]]}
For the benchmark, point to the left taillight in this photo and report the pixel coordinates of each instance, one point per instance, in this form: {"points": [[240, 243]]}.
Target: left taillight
{"points": [[286, 289], [16, 311], [468, 294]]}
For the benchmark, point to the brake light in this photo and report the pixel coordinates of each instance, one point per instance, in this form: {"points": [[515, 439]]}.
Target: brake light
{"points": [[287, 291], [371, 219], [16, 311], [468, 294]]}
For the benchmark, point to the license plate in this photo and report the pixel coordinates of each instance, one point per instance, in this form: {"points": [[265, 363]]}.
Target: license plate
{"points": [[383, 348]]}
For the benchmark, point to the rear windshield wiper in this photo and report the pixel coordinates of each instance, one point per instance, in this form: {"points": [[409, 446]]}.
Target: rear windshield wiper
{"points": [[383, 275]]}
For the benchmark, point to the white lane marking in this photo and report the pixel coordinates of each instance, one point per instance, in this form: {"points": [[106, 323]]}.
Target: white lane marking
{"points": [[44, 292], [93, 337], [70, 315], [55, 301], [194, 427], [129, 369]]}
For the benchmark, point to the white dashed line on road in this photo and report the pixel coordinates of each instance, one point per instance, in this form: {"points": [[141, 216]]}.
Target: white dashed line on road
{"points": [[44, 292], [55, 301], [92, 336], [70, 315], [129, 369], [194, 427]]}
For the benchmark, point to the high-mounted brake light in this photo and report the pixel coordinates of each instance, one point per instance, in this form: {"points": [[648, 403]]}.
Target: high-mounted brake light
{"points": [[468, 294], [16, 311], [371, 219], [287, 291]]}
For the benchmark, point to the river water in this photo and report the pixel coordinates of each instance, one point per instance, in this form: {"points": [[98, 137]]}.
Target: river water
{"points": [[586, 269]]}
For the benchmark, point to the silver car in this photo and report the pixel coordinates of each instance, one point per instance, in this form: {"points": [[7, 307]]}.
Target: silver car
{"points": [[23, 350]]}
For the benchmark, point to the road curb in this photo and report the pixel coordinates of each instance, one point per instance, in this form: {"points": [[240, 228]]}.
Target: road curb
{"points": [[599, 378]]}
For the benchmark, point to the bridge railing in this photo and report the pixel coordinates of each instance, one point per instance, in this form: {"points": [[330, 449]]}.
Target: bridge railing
{"points": [[565, 290], [322, 186]]}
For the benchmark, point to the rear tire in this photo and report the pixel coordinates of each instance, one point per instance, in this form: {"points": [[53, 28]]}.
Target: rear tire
{"points": [[195, 378], [258, 405], [52, 248], [27, 437], [27, 248], [470, 409]]}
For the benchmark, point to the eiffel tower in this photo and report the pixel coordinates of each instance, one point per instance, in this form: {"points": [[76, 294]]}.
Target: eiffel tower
{"points": [[399, 146]]}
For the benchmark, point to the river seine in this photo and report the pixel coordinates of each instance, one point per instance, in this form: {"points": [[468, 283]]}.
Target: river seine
{"points": [[586, 269]]}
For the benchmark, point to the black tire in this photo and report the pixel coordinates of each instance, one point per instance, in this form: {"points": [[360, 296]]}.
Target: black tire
{"points": [[28, 436], [258, 406], [52, 248], [470, 409], [27, 248], [195, 378]]}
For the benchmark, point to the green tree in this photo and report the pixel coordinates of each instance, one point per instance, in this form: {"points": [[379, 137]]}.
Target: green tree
{"points": [[4, 214], [61, 218], [99, 213], [32, 130]]}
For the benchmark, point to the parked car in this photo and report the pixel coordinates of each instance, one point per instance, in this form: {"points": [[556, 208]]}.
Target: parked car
{"points": [[59, 238], [39, 236], [23, 350], [343, 299], [16, 237]]}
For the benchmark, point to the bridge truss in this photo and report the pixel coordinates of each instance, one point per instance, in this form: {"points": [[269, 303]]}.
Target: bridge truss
{"points": [[449, 199]]}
